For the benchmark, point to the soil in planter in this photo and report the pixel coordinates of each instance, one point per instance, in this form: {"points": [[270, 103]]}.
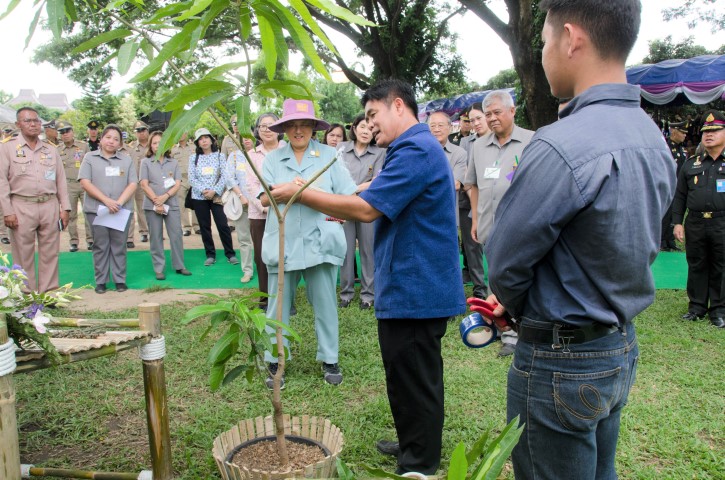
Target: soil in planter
{"points": [[263, 456]]}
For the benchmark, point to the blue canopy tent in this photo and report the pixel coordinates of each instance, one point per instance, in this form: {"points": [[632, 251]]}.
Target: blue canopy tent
{"points": [[454, 105], [699, 80]]}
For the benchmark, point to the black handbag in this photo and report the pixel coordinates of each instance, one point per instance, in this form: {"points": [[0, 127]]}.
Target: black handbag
{"points": [[187, 200]]}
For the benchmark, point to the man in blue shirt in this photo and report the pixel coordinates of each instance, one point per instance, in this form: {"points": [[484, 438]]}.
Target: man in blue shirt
{"points": [[572, 244], [418, 284]]}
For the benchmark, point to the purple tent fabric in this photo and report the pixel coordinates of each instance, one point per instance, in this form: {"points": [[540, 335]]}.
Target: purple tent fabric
{"points": [[701, 79]]}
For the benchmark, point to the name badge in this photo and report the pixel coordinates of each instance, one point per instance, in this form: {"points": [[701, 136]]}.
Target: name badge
{"points": [[113, 171], [242, 167], [78, 164], [169, 182], [50, 175], [492, 173], [720, 186], [207, 170]]}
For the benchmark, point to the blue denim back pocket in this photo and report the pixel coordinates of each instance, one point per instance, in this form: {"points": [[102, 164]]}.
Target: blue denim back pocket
{"points": [[582, 399]]}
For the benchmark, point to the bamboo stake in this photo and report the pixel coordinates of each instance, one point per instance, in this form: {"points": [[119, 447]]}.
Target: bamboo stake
{"points": [[74, 473], [9, 446], [157, 412], [41, 363], [94, 322]]}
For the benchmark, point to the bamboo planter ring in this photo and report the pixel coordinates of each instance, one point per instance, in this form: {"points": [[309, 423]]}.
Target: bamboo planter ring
{"points": [[314, 428]]}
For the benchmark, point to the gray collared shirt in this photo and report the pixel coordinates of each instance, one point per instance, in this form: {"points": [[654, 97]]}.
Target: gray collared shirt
{"points": [[457, 159], [110, 175], [162, 176], [490, 169], [364, 167], [578, 230]]}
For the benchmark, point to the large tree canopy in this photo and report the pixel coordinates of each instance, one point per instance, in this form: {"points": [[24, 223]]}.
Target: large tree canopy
{"points": [[410, 40], [522, 33]]}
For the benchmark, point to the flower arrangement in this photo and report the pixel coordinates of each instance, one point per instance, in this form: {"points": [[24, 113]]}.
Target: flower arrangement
{"points": [[26, 311]]}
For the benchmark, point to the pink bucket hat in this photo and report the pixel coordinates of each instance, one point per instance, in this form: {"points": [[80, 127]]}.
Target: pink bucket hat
{"points": [[298, 110]]}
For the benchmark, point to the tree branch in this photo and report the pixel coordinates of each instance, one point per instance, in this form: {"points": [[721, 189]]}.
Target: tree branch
{"points": [[481, 10]]}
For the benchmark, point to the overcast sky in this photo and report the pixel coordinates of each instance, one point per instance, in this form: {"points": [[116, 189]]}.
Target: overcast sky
{"points": [[483, 51]]}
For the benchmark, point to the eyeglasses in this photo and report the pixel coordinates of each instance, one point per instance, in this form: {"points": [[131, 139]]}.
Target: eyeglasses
{"points": [[264, 128], [300, 124], [31, 120], [137, 130], [437, 125], [234, 124]]}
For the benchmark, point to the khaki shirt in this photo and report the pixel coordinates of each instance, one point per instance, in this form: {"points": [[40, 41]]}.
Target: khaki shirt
{"points": [[182, 155], [228, 146], [30, 172], [72, 157], [137, 153]]}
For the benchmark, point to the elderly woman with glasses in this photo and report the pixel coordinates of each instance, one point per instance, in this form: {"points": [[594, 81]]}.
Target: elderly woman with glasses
{"points": [[314, 243]]}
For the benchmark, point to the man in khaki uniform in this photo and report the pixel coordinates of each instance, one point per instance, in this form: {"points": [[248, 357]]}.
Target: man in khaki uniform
{"points": [[181, 153], [71, 153], [7, 131], [228, 145], [51, 133], [137, 149], [33, 197]]}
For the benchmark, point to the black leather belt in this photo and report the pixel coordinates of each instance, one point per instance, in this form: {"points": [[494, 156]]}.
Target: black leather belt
{"points": [[559, 335], [707, 214]]}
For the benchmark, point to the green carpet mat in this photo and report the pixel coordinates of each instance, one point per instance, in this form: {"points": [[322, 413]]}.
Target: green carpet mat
{"points": [[669, 269]]}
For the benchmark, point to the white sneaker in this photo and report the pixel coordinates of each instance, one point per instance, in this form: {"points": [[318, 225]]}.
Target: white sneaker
{"points": [[246, 278]]}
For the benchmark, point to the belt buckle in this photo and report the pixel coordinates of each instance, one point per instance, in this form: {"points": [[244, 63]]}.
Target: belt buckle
{"points": [[706, 214], [561, 341]]}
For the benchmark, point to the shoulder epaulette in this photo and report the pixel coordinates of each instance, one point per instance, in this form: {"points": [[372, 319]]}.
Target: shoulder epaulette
{"points": [[7, 139]]}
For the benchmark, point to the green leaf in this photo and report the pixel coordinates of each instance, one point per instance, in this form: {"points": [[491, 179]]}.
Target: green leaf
{"points": [[290, 331], [206, 333], [56, 15], [167, 11], [200, 311], [100, 39], [218, 72], [197, 7], [216, 376], [147, 49], [267, 37], [176, 44], [477, 449], [288, 88], [234, 373], [311, 23], [126, 56], [342, 13], [458, 466], [380, 473], [217, 318], [245, 21], [105, 62], [11, 7], [343, 471], [243, 107], [193, 92], [33, 25], [182, 120], [498, 452], [224, 348], [70, 10]]}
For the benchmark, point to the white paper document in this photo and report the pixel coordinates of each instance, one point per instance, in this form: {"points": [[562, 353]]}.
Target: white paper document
{"points": [[116, 221]]}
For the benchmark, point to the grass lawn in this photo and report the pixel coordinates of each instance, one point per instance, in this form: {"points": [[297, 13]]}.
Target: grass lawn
{"points": [[91, 414]]}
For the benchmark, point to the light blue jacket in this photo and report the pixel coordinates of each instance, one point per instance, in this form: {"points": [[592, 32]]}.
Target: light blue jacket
{"points": [[310, 238]]}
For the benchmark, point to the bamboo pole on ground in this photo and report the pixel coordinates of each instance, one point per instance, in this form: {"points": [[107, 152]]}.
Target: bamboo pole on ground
{"points": [[9, 446], [94, 322], [26, 366], [157, 412], [75, 473]]}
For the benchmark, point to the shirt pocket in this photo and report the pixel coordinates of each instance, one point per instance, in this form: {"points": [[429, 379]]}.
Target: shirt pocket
{"points": [[332, 238], [21, 166], [696, 181]]}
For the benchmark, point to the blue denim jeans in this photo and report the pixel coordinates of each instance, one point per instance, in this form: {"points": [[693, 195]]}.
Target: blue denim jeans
{"points": [[571, 400]]}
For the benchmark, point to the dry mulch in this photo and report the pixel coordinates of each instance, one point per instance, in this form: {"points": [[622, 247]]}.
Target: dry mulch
{"points": [[263, 456]]}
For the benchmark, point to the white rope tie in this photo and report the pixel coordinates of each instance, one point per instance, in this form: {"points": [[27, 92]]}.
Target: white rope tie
{"points": [[146, 475], [154, 350], [7, 358]]}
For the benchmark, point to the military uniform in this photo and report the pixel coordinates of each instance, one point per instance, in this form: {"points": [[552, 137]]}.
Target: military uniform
{"points": [[182, 154], [701, 192], [72, 156], [33, 188], [138, 152], [93, 145], [679, 156]]}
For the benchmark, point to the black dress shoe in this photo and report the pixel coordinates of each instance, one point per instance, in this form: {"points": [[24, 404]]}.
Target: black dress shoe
{"points": [[365, 305], [343, 303], [5, 241], [89, 245], [293, 310], [692, 316], [101, 288], [144, 238], [718, 322], [73, 247], [197, 231], [121, 287], [386, 447], [160, 276], [187, 233], [130, 245]]}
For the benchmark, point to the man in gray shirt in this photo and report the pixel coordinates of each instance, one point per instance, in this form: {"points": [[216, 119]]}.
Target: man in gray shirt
{"points": [[494, 159]]}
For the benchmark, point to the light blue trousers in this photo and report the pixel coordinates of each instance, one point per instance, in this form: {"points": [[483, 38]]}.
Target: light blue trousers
{"points": [[321, 281]]}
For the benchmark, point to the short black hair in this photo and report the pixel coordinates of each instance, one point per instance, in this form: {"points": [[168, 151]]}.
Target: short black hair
{"points": [[390, 89], [613, 25], [114, 127], [332, 127], [214, 146], [358, 119], [23, 109], [476, 106]]}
